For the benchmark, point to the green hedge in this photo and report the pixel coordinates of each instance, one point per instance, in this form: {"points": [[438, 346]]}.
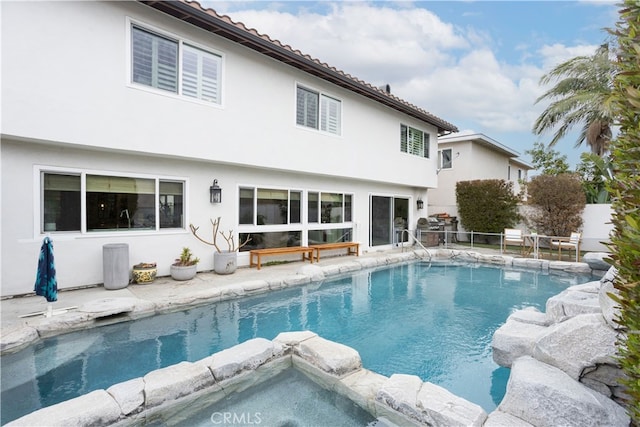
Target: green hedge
{"points": [[487, 206], [625, 192]]}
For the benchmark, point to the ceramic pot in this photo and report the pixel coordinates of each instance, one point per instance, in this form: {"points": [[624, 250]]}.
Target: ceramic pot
{"points": [[144, 274], [225, 262], [183, 272]]}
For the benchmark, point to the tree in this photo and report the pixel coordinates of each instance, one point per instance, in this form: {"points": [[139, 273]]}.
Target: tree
{"points": [[547, 160], [594, 172], [557, 203], [582, 94], [625, 191], [487, 206]]}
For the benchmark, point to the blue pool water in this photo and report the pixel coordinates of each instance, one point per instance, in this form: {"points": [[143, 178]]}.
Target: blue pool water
{"points": [[307, 404], [435, 321]]}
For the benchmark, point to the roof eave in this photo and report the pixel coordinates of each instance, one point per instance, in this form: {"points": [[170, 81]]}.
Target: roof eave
{"points": [[194, 14]]}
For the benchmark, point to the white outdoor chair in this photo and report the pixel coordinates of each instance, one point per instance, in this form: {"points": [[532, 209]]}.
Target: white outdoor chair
{"points": [[570, 243], [513, 236]]}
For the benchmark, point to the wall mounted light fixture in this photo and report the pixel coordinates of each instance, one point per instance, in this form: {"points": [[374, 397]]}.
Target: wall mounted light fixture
{"points": [[215, 192], [420, 204]]}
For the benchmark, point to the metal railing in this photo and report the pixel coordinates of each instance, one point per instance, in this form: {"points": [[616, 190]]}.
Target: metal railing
{"points": [[534, 246], [408, 233]]}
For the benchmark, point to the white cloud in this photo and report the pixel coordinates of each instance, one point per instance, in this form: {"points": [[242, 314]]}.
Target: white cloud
{"points": [[478, 89], [555, 54], [448, 70], [377, 44]]}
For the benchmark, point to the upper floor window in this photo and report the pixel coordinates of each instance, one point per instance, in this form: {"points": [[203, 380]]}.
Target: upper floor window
{"points": [[318, 111], [414, 141], [446, 158], [111, 203], [155, 63]]}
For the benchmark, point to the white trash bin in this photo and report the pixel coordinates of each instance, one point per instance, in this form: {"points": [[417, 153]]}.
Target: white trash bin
{"points": [[115, 265]]}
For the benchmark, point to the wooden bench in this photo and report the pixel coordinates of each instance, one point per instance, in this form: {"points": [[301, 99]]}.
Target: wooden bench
{"points": [[305, 251], [353, 248]]}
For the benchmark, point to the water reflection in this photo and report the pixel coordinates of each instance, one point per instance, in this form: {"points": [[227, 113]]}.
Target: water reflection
{"points": [[433, 321]]}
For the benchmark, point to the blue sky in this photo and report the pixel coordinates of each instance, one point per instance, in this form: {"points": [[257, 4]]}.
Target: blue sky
{"points": [[476, 64]]}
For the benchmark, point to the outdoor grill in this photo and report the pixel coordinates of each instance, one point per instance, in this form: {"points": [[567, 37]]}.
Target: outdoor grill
{"points": [[427, 231]]}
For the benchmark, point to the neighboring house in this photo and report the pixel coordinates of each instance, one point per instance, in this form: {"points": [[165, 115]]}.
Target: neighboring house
{"points": [[117, 117], [471, 157]]}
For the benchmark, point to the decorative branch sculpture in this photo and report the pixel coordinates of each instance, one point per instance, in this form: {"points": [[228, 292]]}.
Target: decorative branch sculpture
{"points": [[215, 224]]}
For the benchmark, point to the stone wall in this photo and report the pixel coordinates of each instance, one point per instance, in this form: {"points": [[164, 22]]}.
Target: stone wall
{"points": [[563, 362]]}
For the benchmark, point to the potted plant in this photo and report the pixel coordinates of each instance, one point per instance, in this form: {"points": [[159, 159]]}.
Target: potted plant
{"points": [[224, 262], [145, 272], [185, 267]]}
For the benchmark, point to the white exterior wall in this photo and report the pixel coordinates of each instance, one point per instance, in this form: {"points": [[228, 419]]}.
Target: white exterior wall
{"points": [[73, 82], [67, 103], [79, 258], [515, 167], [596, 227], [474, 162]]}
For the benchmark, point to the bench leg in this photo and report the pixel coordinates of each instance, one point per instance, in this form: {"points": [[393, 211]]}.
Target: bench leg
{"points": [[251, 263]]}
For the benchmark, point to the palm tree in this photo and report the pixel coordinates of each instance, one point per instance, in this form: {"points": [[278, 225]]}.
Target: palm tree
{"points": [[582, 94]]}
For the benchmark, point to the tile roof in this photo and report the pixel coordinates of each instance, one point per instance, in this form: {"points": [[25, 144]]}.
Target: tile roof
{"points": [[223, 26]]}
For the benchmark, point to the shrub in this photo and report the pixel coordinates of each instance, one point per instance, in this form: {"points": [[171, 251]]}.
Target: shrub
{"points": [[557, 203], [487, 206], [625, 193]]}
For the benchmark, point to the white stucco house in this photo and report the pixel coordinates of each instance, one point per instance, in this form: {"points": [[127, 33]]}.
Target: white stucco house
{"points": [[467, 157], [117, 118]]}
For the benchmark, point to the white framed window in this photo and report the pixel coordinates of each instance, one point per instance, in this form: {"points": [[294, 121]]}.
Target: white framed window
{"points": [[78, 201], [329, 208], [446, 158], [269, 206], [154, 60], [318, 111], [414, 141], [201, 74], [277, 217], [173, 65]]}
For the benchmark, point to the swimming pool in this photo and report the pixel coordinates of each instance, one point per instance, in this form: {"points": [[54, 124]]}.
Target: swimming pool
{"points": [[262, 404], [431, 320]]}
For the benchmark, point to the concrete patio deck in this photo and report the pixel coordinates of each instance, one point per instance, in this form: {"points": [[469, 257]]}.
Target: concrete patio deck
{"points": [[166, 294], [163, 289]]}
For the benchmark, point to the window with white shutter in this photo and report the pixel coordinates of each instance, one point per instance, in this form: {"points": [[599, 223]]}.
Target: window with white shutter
{"points": [[330, 115], [318, 111], [200, 74], [414, 141], [155, 60], [154, 63], [306, 108]]}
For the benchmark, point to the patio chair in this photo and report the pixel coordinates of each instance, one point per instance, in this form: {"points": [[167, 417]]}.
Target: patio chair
{"points": [[571, 243], [513, 236]]}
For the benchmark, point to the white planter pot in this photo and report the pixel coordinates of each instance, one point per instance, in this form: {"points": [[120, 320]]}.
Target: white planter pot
{"points": [[183, 272], [225, 262]]}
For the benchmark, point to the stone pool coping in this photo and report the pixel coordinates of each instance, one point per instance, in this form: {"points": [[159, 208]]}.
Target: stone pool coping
{"points": [[97, 307], [400, 399]]}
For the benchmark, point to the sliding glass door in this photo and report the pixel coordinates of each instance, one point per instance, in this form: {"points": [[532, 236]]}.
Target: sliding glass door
{"points": [[389, 217]]}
